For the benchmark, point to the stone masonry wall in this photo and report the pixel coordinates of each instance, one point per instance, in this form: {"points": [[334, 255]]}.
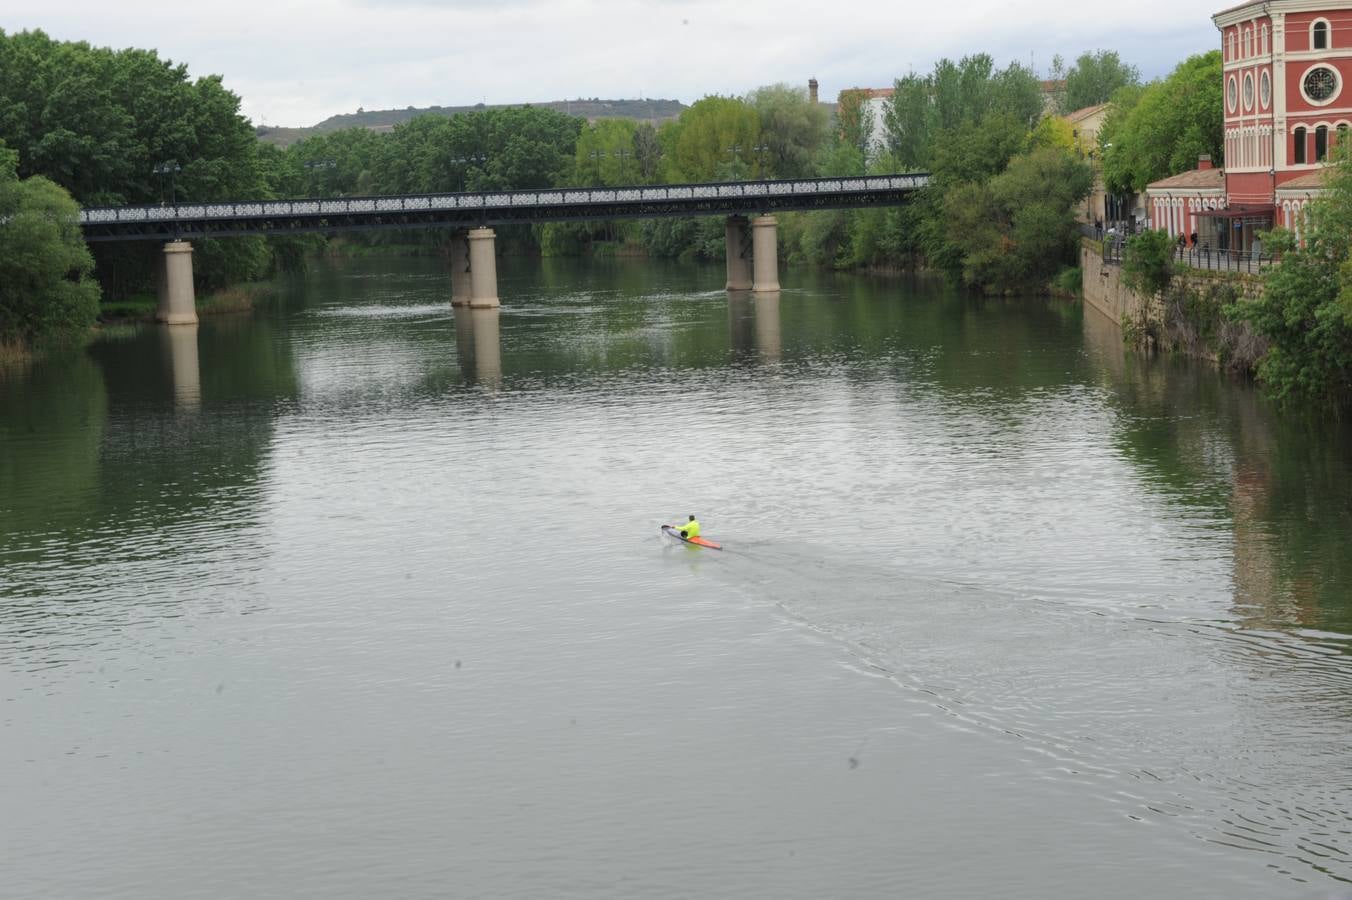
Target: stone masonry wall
{"points": [[1104, 290], [1191, 328]]}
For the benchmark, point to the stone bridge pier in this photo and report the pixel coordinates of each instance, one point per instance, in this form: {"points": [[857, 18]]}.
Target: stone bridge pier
{"points": [[474, 268], [737, 243], [173, 283], [752, 253]]}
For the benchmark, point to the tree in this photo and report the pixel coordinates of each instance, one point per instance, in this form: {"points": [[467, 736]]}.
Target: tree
{"points": [[648, 152], [1148, 262], [715, 139], [606, 154], [977, 151], [1095, 77], [792, 129], [1017, 230], [923, 107], [1305, 310], [1168, 126], [1055, 131], [98, 122], [46, 289]]}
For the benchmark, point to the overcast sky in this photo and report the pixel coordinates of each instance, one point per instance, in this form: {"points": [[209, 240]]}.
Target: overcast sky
{"points": [[297, 63]]}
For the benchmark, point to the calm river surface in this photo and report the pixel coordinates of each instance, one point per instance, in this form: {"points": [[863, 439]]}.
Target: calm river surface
{"points": [[356, 597]]}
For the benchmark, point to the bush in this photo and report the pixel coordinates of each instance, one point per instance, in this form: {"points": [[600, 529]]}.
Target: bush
{"points": [[47, 292], [1148, 262], [1068, 282]]}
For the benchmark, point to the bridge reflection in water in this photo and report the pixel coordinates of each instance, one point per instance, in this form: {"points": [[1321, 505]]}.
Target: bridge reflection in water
{"points": [[478, 345]]}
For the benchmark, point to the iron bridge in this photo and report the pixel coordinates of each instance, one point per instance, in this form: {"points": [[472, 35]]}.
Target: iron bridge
{"points": [[468, 210]]}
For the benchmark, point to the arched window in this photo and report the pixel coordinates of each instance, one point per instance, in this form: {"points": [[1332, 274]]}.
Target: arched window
{"points": [[1248, 42], [1263, 47], [1299, 157], [1319, 35], [1321, 143], [1231, 46]]}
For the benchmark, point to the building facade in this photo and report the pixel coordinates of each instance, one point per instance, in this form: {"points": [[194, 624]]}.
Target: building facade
{"points": [[1084, 128], [1287, 98]]}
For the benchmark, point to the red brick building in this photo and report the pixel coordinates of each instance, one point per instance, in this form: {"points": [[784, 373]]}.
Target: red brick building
{"points": [[1287, 96]]}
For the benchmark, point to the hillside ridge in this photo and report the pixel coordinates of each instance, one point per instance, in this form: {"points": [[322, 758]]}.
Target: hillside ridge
{"points": [[650, 110]]}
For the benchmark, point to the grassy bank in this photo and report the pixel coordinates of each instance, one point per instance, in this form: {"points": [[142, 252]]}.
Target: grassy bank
{"points": [[141, 307]]}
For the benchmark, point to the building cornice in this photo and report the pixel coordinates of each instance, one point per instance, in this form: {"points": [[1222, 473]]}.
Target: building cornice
{"points": [[1249, 11], [1184, 192]]}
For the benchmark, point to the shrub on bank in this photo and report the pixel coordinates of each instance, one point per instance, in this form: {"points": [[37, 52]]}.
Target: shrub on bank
{"points": [[47, 290]]}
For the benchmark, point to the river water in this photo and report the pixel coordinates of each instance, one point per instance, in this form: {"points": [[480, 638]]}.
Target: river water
{"points": [[356, 596]]}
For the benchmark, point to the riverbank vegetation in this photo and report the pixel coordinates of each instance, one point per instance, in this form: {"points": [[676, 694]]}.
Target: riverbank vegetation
{"points": [[47, 290], [1305, 309]]}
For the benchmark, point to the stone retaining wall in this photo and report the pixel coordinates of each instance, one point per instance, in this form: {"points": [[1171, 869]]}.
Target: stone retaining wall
{"points": [[1104, 290], [1151, 323]]}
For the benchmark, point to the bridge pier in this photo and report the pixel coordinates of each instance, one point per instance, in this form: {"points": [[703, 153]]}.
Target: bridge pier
{"points": [[460, 280], [737, 244], [177, 302], [764, 241], [483, 270]]}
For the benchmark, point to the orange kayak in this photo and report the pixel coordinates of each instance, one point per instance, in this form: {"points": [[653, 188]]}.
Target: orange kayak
{"points": [[675, 531]]}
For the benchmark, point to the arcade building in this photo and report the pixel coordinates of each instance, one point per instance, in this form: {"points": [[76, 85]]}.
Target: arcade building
{"points": [[1287, 102]]}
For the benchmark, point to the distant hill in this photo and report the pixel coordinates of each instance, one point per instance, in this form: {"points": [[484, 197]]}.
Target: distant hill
{"points": [[655, 111]]}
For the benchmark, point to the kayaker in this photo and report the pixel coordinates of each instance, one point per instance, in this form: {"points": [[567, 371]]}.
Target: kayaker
{"points": [[690, 529]]}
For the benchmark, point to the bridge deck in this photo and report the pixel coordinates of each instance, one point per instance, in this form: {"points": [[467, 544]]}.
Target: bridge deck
{"points": [[232, 219]]}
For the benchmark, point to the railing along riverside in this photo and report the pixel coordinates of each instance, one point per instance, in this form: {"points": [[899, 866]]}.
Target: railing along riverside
{"points": [[1223, 260], [1193, 257]]}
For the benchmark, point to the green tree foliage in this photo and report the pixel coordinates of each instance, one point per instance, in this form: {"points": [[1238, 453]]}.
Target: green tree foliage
{"points": [[954, 95], [854, 120], [1017, 230], [715, 139], [648, 152], [98, 121], [976, 151], [793, 129], [1054, 131], [1148, 262], [1168, 126], [1095, 77], [607, 154], [332, 164], [1305, 310], [46, 292], [506, 148]]}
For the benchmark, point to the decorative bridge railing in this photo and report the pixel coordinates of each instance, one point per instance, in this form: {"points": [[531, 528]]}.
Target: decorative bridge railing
{"points": [[189, 220]]}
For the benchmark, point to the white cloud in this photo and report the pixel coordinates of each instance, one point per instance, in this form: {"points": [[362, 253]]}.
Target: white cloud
{"points": [[296, 63]]}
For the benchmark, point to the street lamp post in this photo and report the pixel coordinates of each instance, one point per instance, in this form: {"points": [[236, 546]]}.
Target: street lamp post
{"points": [[167, 169], [464, 161]]}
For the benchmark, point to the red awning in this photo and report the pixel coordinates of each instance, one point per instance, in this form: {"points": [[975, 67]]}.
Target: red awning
{"points": [[1240, 211]]}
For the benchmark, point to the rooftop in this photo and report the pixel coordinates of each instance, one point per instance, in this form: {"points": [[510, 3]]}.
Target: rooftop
{"points": [[1311, 181], [1195, 179]]}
